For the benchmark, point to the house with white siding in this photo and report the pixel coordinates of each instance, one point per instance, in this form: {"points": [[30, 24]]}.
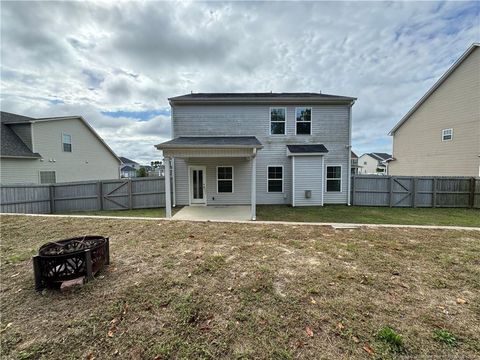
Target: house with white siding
{"points": [[51, 150], [259, 148], [374, 163]]}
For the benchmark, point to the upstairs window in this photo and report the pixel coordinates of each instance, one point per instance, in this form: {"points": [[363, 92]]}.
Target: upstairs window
{"points": [[225, 179], [334, 178], [275, 179], [447, 134], [303, 118], [277, 121], [67, 143]]}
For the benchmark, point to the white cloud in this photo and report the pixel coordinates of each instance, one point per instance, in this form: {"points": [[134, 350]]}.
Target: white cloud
{"points": [[132, 56]]}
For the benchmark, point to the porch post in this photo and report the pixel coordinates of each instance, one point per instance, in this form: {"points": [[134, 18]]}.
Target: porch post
{"points": [[254, 187], [168, 199]]}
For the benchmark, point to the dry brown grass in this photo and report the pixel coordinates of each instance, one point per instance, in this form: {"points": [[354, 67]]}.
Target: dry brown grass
{"points": [[206, 290]]}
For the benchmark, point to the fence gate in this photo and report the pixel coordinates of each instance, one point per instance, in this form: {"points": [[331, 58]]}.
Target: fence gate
{"points": [[402, 192], [116, 195]]}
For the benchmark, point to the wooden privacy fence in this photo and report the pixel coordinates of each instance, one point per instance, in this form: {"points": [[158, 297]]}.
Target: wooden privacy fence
{"points": [[413, 191], [118, 194]]}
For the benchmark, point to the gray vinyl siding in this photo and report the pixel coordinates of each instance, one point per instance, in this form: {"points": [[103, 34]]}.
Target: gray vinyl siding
{"points": [[24, 132], [330, 126], [308, 176], [241, 180]]}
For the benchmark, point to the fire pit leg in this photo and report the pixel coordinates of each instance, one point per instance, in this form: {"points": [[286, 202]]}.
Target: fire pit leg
{"points": [[37, 273], [88, 263], [107, 251]]}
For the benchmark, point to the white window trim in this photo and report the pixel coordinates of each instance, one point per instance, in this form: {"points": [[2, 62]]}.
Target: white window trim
{"points": [[233, 180], [270, 120], [283, 181], [451, 134], [311, 120], [205, 195], [40, 177], [71, 143], [341, 178]]}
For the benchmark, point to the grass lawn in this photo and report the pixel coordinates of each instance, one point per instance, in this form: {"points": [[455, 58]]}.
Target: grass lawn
{"points": [[156, 212], [242, 291], [370, 215]]}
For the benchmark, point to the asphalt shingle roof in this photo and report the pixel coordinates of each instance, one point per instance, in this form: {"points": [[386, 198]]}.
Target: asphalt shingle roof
{"points": [[259, 96], [213, 141], [380, 156], [125, 160], [307, 148], [11, 144]]}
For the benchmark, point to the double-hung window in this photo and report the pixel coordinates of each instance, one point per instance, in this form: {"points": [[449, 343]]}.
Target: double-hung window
{"points": [[275, 179], [277, 121], [225, 179], [67, 142], [303, 120], [334, 178], [447, 134]]}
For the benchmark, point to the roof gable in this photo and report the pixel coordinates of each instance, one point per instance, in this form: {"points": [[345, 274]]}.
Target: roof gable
{"points": [[435, 86], [13, 146]]}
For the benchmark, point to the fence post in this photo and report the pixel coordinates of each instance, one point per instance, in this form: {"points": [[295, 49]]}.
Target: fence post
{"points": [[100, 195], [52, 199], [414, 192], [434, 193], [130, 195], [471, 197], [390, 197], [353, 190]]}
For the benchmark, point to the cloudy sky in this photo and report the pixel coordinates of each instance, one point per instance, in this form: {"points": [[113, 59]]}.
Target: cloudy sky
{"points": [[117, 63]]}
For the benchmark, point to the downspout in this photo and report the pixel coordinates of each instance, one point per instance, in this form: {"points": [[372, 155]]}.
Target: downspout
{"points": [[349, 182], [293, 181], [174, 197]]}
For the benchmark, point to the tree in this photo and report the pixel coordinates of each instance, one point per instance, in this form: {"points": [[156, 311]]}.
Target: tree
{"points": [[142, 172]]}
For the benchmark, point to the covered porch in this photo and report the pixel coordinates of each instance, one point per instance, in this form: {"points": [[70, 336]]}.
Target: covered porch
{"points": [[210, 171]]}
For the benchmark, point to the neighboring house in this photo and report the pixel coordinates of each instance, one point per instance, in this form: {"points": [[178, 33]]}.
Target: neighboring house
{"points": [[440, 135], [374, 163], [265, 148], [128, 162], [354, 163], [50, 150], [128, 168], [127, 171]]}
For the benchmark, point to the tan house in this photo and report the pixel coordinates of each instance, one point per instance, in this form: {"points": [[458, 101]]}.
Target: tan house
{"points": [[440, 135], [50, 150]]}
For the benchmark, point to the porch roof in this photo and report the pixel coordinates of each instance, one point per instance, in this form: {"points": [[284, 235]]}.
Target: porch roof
{"points": [[209, 142], [306, 149]]}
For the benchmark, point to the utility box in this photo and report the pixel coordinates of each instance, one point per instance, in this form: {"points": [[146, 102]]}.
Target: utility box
{"points": [[308, 194]]}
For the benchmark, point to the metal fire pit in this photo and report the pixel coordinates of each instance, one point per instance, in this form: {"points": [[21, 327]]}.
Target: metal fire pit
{"points": [[70, 259]]}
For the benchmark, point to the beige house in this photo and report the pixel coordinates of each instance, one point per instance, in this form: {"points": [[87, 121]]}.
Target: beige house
{"points": [[50, 150], [440, 135]]}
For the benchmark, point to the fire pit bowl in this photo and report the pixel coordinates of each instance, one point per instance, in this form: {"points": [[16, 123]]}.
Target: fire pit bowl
{"points": [[70, 259]]}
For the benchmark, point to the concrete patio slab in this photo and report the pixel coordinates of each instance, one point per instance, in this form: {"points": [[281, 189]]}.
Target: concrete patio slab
{"points": [[214, 213]]}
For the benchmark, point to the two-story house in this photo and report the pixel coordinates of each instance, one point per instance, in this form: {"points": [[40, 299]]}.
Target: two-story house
{"points": [[374, 163], [440, 134], [50, 150], [259, 148]]}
